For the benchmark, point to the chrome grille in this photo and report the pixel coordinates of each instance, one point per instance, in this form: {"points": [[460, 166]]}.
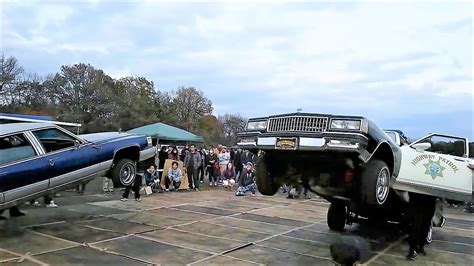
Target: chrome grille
{"points": [[298, 124]]}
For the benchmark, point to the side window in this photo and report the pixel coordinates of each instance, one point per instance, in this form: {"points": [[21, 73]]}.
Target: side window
{"points": [[446, 145], [54, 139], [14, 148]]}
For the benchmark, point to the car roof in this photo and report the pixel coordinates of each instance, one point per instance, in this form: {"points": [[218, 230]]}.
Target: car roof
{"points": [[6, 129]]}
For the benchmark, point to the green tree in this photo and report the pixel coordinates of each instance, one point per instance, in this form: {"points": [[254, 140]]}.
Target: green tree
{"points": [[190, 106]]}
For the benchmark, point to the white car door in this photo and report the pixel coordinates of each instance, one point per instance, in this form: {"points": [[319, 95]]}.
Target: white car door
{"points": [[436, 165]]}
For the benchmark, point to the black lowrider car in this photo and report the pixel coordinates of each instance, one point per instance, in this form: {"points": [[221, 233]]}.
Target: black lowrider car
{"points": [[348, 160]]}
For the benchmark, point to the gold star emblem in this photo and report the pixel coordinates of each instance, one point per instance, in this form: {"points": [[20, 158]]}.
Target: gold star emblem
{"points": [[434, 169]]}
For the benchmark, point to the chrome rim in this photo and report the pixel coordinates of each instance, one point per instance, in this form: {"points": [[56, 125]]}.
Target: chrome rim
{"points": [[382, 186], [127, 174], [429, 237]]}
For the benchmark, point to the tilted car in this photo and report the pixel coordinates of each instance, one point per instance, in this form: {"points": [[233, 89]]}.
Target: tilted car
{"points": [[37, 159], [348, 160]]}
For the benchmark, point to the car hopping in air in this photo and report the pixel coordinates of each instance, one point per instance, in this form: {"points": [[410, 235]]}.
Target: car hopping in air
{"points": [[37, 159], [348, 160]]}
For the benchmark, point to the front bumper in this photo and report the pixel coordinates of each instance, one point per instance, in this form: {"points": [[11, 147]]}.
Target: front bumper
{"points": [[326, 141]]}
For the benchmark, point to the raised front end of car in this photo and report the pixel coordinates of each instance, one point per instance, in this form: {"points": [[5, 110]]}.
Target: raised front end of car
{"points": [[305, 132]]}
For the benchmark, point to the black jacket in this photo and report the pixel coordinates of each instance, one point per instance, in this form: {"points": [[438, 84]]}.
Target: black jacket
{"points": [[246, 178]]}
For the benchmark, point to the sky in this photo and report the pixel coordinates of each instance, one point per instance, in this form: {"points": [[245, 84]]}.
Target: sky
{"points": [[405, 65]]}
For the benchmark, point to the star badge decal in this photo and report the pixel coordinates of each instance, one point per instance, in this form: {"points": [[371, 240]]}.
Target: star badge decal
{"points": [[434, 169]]}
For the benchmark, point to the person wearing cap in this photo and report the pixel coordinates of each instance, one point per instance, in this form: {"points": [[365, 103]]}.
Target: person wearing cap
{"points": [[246, 181]]}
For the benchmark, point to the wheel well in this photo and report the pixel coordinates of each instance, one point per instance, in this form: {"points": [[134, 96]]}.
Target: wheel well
{"points": [[385, 153], [132, 153]]}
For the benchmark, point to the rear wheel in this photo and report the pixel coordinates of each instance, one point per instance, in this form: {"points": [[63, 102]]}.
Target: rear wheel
{"points": [[266, 184], [124, 172], [375, 183], [337, 216]]}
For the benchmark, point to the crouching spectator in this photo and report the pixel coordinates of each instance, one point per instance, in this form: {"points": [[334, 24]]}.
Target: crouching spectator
{"points": [[174, 177], [228, 177], [151, 179], [246, 181]]}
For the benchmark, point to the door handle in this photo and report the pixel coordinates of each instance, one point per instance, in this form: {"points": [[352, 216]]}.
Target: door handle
{"points": [[459, 159], [97, 147]]}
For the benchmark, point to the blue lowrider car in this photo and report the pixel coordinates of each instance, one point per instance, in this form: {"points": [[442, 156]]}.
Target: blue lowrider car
{"points": [[39, 158]]}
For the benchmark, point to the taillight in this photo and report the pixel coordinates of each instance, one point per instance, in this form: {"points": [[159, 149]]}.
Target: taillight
{"points": [[348, 175]]}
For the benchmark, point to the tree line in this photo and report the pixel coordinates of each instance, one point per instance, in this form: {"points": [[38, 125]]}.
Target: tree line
{"points": [[84, 94]]}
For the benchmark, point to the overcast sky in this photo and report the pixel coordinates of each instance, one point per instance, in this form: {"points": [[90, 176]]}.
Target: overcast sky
{"points": [[403, 65]]}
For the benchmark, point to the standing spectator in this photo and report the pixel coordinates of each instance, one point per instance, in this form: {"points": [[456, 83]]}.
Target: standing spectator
{"points": [[246, 157], [224, 159], [174, 177], [246, 181], [232, 153], [212, 162], [228, 176], [174, 154], [81, 188], [184, 152], [421, 209], [107, 185], [238, 163], [135, 187], [201, 168], [192, 162], [162, 156]]}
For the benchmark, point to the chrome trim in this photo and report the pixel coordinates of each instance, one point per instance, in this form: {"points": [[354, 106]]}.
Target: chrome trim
{"points": [[312, 142], [147, 154], [24, 191], [347, 133], [77, 174], [269, 141], [253, 143], [35, 143], [297, 123], [375, 150]]}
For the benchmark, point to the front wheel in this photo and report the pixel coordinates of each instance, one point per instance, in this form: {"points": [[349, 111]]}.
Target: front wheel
{"points": [[124, 172], [375, 183], [337, 216], [266, 184]]}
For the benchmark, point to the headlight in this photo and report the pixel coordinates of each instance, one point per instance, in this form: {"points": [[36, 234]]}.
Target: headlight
{"points": [[345, 124], [257, 125]]}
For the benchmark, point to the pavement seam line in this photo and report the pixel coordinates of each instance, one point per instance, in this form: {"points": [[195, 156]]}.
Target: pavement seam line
{"points": [[175, 245], [20, 256], [384, 251], [292, 251]]}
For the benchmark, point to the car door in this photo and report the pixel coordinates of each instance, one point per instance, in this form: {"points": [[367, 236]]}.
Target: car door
{"points": [[69, 158], [22, 170], [436, 165]]}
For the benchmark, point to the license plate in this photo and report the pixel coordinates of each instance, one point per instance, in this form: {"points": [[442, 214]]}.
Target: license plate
{"points": [[286, 143]]}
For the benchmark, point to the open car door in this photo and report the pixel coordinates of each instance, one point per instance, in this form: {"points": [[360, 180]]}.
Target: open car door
{"points": [[437, 165]]}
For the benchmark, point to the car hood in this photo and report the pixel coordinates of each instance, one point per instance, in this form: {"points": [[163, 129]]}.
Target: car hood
{"points": [[97, 137]]}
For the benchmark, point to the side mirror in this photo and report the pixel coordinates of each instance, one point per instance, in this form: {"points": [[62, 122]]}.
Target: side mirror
{"points": [[77, 144], [422, 146]]}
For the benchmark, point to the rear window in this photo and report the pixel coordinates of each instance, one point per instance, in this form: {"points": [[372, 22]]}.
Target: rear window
{"points": [[15, 148]]}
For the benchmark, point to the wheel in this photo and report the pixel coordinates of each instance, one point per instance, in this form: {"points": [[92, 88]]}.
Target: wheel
{"points": [[337, 216], [429, 237], [266, 184], [124, 172], [375, 183]]}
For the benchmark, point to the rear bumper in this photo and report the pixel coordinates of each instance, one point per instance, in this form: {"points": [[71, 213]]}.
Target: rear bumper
{"points": [[147, 153], [327, 141]]}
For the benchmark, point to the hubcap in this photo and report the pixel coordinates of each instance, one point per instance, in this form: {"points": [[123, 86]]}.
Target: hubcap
{"points": [[127, 174], [382, 186]]}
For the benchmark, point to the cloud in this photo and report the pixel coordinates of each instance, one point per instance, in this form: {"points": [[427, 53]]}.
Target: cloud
{"points": [[382, 60]]}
